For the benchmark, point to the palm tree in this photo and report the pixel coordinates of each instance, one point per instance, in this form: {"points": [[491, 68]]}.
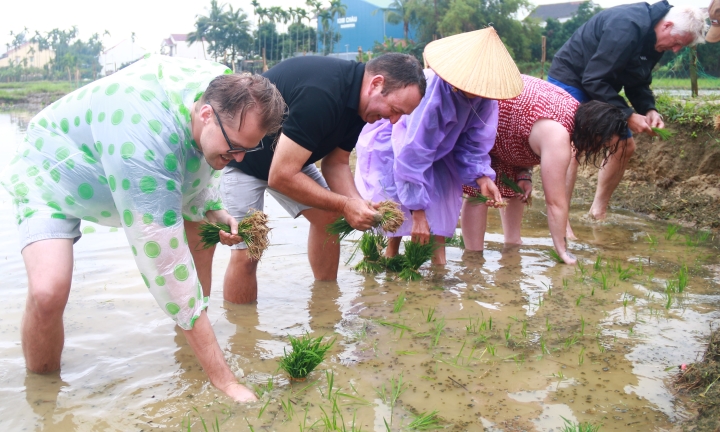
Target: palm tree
{"points": [[317, 9], [339, 9], [236, 29], [401, 11]]}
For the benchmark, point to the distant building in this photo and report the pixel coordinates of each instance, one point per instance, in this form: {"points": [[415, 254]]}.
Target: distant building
{"points": [[120, 55], [177, 45], [559, 11], [364, 23], [27, 55]]}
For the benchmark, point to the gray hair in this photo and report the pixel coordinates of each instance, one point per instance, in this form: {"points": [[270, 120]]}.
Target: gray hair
{"points": [[688, 20]]}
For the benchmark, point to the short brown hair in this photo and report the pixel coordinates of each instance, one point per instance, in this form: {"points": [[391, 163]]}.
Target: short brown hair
{"points": [[234, 94], [399, 71]]}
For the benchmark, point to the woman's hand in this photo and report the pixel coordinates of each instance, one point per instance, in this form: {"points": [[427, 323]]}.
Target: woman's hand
{"points": [[420, 232], [222, 216], [526, 186], [489, 189]]}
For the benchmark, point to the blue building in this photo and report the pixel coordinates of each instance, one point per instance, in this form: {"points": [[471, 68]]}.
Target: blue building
{"points": [[364, 24]]}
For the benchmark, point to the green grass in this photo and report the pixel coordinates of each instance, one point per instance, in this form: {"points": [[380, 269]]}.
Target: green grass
{"points": [[684, 83], [18, 92], [307, 352], [579, 427]]}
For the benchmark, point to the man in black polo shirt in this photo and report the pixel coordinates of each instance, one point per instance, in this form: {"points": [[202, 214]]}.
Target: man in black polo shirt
{"points": [[615, 50], [329, 101]]}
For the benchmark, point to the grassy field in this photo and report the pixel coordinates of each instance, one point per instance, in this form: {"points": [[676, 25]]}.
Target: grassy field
{"points": [[684, 83], [18, 92]]}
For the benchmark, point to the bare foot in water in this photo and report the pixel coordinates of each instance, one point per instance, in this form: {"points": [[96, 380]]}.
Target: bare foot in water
{"points": [[597, 214], [569, 234]]}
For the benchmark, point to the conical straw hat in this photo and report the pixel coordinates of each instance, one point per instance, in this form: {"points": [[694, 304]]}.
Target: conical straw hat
{"points": [[476, 62]]}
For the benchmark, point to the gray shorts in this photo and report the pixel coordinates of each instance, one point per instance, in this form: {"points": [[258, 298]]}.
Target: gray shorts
{"points": [[242, 192], [35, 229]]}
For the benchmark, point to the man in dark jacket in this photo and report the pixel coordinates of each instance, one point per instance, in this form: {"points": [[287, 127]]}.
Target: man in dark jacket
{"points": [[615, 50]]}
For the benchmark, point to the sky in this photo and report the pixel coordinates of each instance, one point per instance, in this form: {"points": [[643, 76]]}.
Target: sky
{"points": [[151, 20]]}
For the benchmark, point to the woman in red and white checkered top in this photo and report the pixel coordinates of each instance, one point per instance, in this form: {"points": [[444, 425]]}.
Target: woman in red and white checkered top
{"points": [[543, 126]]}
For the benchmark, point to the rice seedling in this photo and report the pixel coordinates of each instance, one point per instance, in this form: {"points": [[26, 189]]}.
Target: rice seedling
{"points": [[625, 274], [682, 278], [425, 421], [490, 323], [570, 341], [330, 378], [429, 315], [582, 325], [457, 357], [579, 299], [473, 325], [389, 218], [437, 331], [394, 264], [507, 334], [416, 255], [670, 231], [548, 325], [252, 229], [581, 356], [668, 300], [491, 349], [401, 327], [552, 253], [523, 330], [455, 241], [371, 245], [507, 181], [307, 352], [663, 134], [262, 410], [543, 347], [652, 240], [597, 265], [476, 199], [187, 423], [287, 408], [397, 388], [267, 388], [671, 286], [579, 427], [399, 302]]}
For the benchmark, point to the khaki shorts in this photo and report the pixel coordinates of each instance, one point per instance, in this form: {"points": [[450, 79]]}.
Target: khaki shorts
{"points": [[242, 192], [35, 229]]}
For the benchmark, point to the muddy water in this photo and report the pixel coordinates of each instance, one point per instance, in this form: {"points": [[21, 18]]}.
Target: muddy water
{"points": [[505, 341]]}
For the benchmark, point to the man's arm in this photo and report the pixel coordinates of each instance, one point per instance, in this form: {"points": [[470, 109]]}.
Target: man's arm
{"points": [[337, 173], [286, 177]]}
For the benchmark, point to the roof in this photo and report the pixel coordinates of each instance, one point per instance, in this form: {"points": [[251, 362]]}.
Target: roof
{"points": [[556, 11], [179, 37], [382, 4]]}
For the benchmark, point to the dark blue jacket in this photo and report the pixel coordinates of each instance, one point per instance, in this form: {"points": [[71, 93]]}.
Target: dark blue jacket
{"points": [[614, 49]]}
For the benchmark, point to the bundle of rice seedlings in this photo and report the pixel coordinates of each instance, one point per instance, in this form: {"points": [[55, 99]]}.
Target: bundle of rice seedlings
{"points": [[371, 245], [253, 229], [664, 134], [416, 255], [394, 264], [306, 354], [390, 218], [507, 181], [476, 199]]}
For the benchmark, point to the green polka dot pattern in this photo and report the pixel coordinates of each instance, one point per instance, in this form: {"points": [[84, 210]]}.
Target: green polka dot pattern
{"points": [[121, 152]]}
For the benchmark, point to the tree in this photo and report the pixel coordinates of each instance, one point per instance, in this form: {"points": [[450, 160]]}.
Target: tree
{"points": [[402, 11], [71, 53], [227, 32]]}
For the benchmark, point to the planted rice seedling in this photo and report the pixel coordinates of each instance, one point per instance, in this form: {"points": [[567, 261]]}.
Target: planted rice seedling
{"points": [[399, 302], [307, 352], [389, 218], [397, 388], [491, 349], [597, 265], [252, 229], [429, 315], [663, 134], [652, 240], [579, 299], [456, 241], [416, 255], [670, 231], [552, 253], [579, 427], [371, 245], [425, 421], [581, 356], [682, 278]]}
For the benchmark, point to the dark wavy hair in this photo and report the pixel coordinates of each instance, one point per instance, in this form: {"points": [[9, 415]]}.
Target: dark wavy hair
{"points": [[596, 125]]}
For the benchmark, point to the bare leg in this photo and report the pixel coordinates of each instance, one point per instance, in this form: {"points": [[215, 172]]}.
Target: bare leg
{"points": [[393, 247], [473, 223], [439, 254], [240, 284], [570, 179], [323, 248], [203, 342], [511, 218], [203, 257], [609, 178], [49, 265]]}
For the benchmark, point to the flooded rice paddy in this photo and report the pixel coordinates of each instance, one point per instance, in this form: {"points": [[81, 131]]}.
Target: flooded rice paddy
{"points": [[506, 341]]}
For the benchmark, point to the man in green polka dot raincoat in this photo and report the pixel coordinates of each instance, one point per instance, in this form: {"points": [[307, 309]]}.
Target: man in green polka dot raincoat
{"points": [[138, 149]]}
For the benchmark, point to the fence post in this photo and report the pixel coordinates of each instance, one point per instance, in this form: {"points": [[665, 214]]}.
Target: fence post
{"points": [[542, 60], [693, 72]]}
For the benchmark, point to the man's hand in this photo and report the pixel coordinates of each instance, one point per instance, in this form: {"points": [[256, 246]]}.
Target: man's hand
{"points": [[222, 216], [359, 214], [490, 190], [420, 229], [526, 186], [639, 124], [654, 119], [240, 393]]}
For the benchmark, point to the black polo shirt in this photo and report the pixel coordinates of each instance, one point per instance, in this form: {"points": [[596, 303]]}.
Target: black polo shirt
{"points": [[322, 94]]}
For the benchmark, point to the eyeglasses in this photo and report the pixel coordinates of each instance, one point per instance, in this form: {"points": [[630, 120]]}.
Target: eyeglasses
{"points": [[234, 149]]}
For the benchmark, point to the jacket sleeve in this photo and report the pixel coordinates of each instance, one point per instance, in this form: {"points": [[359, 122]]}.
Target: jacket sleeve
{"points": [[617, 44], [416, 138], [641, 97], [472, 150]]}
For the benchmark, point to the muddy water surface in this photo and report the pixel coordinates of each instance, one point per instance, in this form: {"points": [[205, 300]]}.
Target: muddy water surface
{"points": [[505, 341]]}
